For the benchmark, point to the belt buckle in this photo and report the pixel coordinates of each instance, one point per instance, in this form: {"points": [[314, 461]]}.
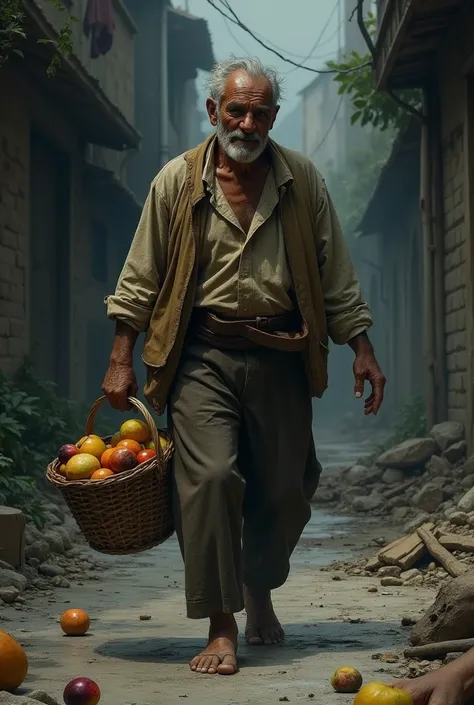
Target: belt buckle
{"points": [[261, 322]]}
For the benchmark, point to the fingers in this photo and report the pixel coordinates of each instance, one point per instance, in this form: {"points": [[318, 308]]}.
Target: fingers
{"points": [[378, 386], [118, 399], [359, 385], [119, 384]]}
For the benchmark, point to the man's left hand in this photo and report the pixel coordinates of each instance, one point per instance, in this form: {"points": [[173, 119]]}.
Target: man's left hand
{"points": [[367, 368]]}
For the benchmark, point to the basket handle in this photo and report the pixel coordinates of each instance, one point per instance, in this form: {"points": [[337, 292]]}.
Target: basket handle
{"points": [[144, 412]]}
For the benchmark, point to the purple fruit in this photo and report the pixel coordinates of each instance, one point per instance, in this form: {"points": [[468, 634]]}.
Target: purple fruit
{"points": [[81, 691], [67, 451]]}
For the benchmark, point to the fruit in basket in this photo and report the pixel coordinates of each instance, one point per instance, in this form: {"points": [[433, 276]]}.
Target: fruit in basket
{"points": [[81, 466], [81, 441], [94, 445], [123, 459], [81, 691], [164, 443], [105, 457], [382, 694], [115, 439], [145, 455], [136, 430], [13, 663], [75, 622], [346, 680], [134, 446], [62, 470], [66, 452], [101, 474]]}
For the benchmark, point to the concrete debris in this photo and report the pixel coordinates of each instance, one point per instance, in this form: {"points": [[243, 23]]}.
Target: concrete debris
{"points": [[447, 433], [409, 454]]}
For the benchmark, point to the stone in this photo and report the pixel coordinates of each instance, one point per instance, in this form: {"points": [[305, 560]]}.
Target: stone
{"points": [[416, 522], [438, 466], [408, 621], [5, 566], [456, 452], [466, 503], [450, 616], [55, 541], [400, 513], [32, 533], [447, 433], [362, 475], [391, 476], [410, 574], [51, 519], [38, 549], [324, 497], [54, 509], [9, 578], [409, 454], [466, 483], [459, 518], [9, 594], [60, 581], [50, 570], [366, 504], [389, 571], [33, 698], [391, 582], [428, 498], [468, 466]]}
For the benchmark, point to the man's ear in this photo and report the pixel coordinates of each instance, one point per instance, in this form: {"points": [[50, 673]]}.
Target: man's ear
{"points": [[211, 108], [275, 113]]}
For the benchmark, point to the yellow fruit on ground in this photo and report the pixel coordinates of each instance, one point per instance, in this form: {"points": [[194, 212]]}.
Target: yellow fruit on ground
{"points": [[135, 430], [94, 445], [382, 694], [82, 466], [13, 663], [346, 680], [115, 439]]}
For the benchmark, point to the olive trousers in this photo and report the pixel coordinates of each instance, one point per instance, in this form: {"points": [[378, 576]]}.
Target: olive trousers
{"points": [[245, 470]]}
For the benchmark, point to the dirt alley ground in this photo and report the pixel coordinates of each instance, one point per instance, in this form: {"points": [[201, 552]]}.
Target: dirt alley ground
{"points": [[145, 662]]}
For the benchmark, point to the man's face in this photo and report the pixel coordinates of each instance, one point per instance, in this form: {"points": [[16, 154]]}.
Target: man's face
{"points": [[244, 117]]}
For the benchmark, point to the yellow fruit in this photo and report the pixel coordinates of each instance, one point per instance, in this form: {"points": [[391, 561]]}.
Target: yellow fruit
{"points": [[115, 439], [62, 470], [381, 694], [93, 445], [164, 443], [79, 443], [13, 663], [82, 466], [346, 680], [135, 430]]}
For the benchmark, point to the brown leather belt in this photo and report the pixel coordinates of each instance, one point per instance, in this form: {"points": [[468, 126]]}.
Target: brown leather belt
{"points": [[286, 332]]}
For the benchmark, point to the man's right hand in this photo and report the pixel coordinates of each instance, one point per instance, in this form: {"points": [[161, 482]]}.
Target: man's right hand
{"points": [[120, 383], [442, 687]]}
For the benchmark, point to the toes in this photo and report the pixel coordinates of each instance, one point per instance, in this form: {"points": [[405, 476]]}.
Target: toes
{"points": [[228, 666], [205, 664], [253, 638]]}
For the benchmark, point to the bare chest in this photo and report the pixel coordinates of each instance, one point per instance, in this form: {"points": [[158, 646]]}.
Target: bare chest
{"points": [[243, 196]]}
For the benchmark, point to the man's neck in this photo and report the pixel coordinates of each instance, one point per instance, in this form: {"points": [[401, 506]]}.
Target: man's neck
{"points": [[241, 169]]}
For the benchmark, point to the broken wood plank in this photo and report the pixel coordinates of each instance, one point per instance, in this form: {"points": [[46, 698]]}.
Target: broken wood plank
{"points": [[448, 561], [400, 488], [453, 542], [440, 649], [406, 552]]}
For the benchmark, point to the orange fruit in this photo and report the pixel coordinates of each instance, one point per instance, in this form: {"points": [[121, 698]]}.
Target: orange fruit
{"points": [[93, 445], [81, 467], [101, 474], [115, 439], [104, 460], [13, 663], [136, 430], [134, 446], [75, 622], [146, 454]]}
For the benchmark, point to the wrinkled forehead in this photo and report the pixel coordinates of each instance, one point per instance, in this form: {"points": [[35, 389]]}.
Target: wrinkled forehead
{"points": [[241, 87]]}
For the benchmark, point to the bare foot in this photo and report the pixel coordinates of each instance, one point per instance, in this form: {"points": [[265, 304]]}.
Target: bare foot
{"points": [[220, 654], [263, 626]]}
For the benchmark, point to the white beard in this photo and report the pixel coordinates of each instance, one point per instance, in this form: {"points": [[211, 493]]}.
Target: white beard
{"points": [[234, 144]]}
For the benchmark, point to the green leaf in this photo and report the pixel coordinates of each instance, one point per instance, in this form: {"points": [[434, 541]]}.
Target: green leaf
{"points": [[355, 116]]}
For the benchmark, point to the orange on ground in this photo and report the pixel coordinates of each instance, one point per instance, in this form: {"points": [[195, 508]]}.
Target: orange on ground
{"points": [[115, 439], [81, 466], [101, 474], [376, 693], [136, 430], [13, 663], [346, 680], [75, 622], [145, 455], [105, 458], [134, 446], [94, 445]]}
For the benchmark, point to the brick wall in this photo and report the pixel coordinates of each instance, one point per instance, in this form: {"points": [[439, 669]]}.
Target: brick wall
{"points": [[13, 238], [455, 273]]}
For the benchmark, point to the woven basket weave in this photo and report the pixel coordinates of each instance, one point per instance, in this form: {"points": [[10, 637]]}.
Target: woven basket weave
{"points": [[129, 512]]}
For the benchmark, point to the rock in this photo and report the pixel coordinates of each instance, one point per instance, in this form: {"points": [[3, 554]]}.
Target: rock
{"points": [[9, 578], [372, 564], [54, 509], [449, 658], [6, 566], [459, 518], [29, 572], [41, 584], [37, 696], [468, 467], [391, 476], [409, 454], [51, 519], [438, 466], [9, 594], [366, 504], [40, 696], [447, 433], [60, 581], [50, 570], [32, 533], [55, 541], [66, 537], [389, 571], [452, 614], [391, 582], [362, 475], [400, 513], [416, 522], [38, 549], [428, 498], [408, 621], [410, 574], [466, 503], [456, 452], [466, 483], [324, 497]]}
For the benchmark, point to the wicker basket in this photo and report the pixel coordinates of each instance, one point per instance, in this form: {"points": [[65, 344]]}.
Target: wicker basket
{"points": [[129, 512]]}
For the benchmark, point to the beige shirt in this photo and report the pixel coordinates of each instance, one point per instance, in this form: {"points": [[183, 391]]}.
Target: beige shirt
{"points": [[240, 274]]}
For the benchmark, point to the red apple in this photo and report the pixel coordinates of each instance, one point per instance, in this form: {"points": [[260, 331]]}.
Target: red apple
{"points": [[81, 691], [67, 451], [122, 459]]}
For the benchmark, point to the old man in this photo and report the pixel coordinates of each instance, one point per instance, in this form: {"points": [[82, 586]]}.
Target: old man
{"points": [[238, 273]]}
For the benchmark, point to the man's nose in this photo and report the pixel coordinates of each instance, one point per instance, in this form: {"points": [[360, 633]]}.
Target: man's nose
{"points": [[248, 123]]}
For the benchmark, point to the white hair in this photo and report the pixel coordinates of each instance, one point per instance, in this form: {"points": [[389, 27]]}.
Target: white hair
{"points": [[253, 67]]}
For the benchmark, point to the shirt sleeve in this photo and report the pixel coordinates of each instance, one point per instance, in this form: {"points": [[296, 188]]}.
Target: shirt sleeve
{"points": [[139, 282], [347, 313]]}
